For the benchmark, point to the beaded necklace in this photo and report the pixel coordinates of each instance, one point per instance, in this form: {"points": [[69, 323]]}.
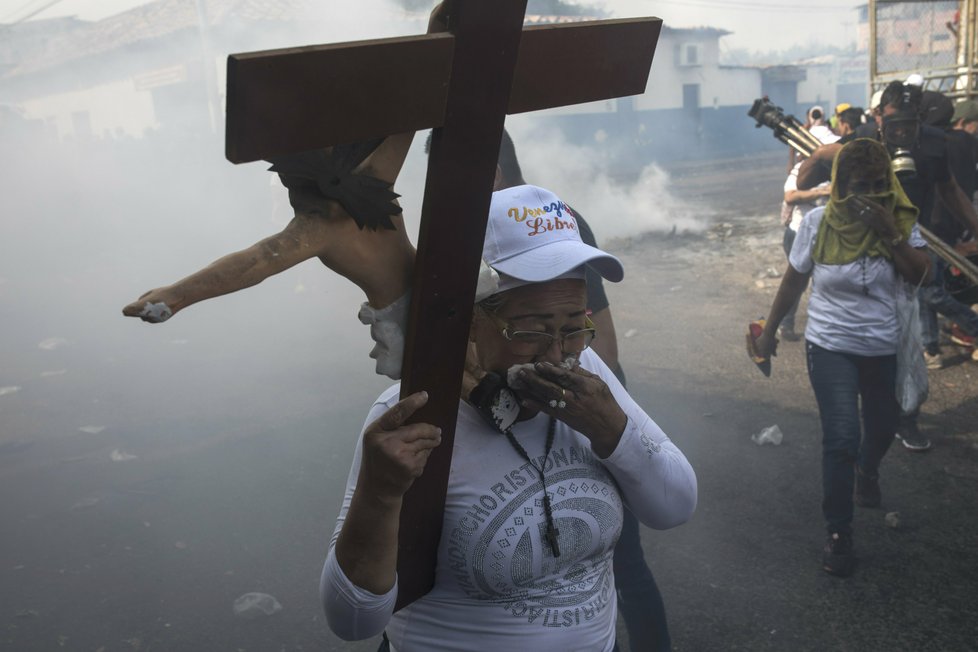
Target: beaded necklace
{"points": [[862, 264], [552, 531]]}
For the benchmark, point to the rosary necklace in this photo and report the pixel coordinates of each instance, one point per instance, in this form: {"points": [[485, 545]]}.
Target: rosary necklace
{"points": [[862, 264], [552, 531]]}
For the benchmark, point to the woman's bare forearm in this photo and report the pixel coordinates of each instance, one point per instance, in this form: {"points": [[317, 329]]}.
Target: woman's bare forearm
{"points": [[793, 284], [911, 263]]}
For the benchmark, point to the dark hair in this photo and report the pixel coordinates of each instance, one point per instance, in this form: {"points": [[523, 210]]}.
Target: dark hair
{"points": [[508, 163], [868, 156], [493, 302], [852, 117], [904, 97]]}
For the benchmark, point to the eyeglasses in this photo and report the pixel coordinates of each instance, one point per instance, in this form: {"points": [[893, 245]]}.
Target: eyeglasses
{"points": [[537, 342]]}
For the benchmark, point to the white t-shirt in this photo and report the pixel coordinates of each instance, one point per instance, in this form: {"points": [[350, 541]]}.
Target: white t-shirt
{"points": [[497, 584], [798, 211], [852, 308], [824, 134]]}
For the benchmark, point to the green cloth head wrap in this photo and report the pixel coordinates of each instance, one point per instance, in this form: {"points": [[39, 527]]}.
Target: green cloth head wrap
{"points": [[843, 238]]}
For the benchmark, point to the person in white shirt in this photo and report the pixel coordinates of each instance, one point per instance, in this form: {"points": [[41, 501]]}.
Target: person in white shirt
{"points": [[535, 494], [818, 127], [857, 250], [797, 204]]}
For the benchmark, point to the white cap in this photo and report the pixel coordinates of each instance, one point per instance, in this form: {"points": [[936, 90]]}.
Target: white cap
{"points": [[915, 79], [874, 101], [532, 236]]}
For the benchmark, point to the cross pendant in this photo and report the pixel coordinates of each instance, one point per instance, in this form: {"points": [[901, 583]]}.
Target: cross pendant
{"points": [[552, 534]]}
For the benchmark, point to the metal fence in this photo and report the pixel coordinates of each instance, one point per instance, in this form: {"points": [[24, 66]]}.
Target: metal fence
{"points": [[937, 39], [917, 36]]}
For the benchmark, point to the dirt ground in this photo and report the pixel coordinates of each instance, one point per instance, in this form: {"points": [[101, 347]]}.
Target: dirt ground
{"points": [[744, 574], [150, 554]]}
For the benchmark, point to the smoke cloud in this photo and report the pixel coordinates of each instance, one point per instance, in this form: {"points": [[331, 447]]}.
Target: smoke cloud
{"points": [[240, 412], [91, 222]]}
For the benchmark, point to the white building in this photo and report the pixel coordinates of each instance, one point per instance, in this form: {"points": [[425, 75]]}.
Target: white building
{"points": [[153, 69], [832, 79], [693, 106]]}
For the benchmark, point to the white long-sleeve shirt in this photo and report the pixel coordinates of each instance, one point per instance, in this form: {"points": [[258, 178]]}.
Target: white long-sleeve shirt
{"points": [[497, 584]]}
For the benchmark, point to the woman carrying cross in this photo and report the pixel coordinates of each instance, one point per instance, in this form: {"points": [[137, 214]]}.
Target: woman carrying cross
{"points": [[549, 448]]}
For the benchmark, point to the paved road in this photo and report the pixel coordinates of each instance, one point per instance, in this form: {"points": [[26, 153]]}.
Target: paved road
{"points": [[241, 428], [745, 573]]}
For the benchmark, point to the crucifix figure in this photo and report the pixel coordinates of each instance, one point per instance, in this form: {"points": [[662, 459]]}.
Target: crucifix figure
{"points": [[462, 81]]}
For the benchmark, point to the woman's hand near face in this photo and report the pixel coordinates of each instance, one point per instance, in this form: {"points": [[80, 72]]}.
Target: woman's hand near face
{"points": [[394, 454], [875, 217], [589, 407], [912, 264]]}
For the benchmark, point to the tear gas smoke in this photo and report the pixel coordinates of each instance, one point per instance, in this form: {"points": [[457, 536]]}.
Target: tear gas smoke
{"points": [[236, 419]]}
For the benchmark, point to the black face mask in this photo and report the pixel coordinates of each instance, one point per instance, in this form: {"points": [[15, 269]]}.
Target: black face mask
{"points": [[900, 130], [496, 402]]}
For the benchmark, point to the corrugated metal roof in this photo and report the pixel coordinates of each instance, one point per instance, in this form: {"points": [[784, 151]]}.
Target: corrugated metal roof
{"points": [[712, 31], [164, 18], [149, 22], [556, 20]]}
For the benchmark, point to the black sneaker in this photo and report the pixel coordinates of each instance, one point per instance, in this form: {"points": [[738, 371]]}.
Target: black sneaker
{"points": [[911, 437], [837, 557], [867, 489]]}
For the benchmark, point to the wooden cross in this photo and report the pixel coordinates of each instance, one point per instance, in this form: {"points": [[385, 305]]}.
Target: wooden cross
{"points": [[462, 84]]}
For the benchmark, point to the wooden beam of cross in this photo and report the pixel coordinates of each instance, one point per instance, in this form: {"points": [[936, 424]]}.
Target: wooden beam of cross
{"points": [[462, 84]]}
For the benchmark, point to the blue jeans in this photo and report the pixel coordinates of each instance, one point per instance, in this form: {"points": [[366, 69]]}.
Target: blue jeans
{"points": [[840, 380], [639, 600], [933, 299]]}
